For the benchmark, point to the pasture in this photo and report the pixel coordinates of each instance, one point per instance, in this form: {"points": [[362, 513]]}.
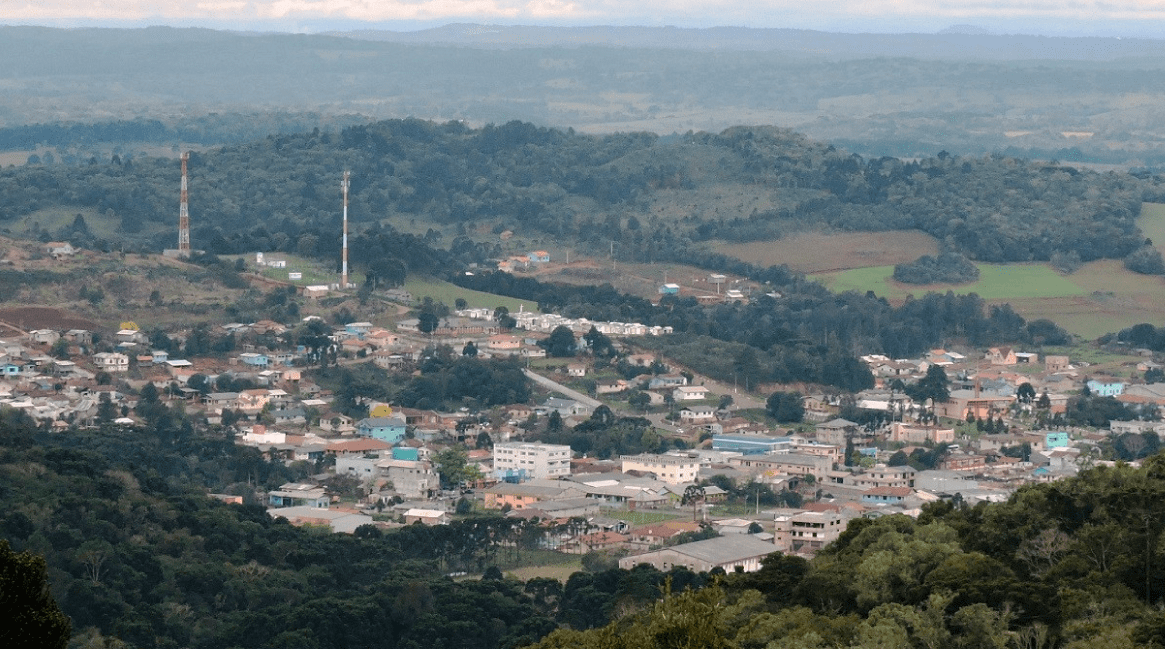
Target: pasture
{"points": [[815, 252], [444, 292], [996, 282]]}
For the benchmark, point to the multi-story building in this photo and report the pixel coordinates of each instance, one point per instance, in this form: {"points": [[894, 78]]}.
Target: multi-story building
{"points": [[807, 532], [672, 469], [524, 461]]}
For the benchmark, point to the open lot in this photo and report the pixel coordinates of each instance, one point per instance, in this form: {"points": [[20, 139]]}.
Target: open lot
{"points": [[814, 252]]}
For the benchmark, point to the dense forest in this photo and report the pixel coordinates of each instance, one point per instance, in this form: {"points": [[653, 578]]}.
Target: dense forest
{"points": [[746, 183], [137, 553]]}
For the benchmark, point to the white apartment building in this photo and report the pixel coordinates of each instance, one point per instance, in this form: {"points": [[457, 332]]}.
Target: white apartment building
{"points": [[531, 461], [672, 469]]}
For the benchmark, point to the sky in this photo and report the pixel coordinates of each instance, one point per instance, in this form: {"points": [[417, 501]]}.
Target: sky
{"points": [[1142, 18]]}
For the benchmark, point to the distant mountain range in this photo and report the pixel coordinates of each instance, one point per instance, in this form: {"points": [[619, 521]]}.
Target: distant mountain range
{"points": [[955, 42]]}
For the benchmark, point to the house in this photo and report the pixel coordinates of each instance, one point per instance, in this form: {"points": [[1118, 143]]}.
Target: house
{"points": [[576, 370], [111, 362], [1106, 389], [836, 431], [697, 414], [729, 553], [539, 257], [657, 534], [43, 336], [886, 495], [504, 343], [1001, 356], [520, 496], [254, 359], [749, 444], [251, 401], [426, 516], [1053, 364], [920, 434], [388, 429], [59, 249], [689, 393], [298, 494], [669, 289], [610, 386], [566, 407], [666, 381]]}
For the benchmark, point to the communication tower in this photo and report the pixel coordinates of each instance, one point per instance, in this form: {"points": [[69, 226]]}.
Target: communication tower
{"points": [[184, 215], [344, 268]]}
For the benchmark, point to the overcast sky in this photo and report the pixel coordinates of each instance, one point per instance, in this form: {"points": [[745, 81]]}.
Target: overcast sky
{"points": [[1129, 18]]}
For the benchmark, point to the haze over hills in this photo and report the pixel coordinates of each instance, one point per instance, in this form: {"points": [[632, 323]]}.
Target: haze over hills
{"points": [[1073, 99]]}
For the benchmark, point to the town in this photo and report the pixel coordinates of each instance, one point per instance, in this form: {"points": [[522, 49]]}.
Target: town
{"points": [[726, 478]]}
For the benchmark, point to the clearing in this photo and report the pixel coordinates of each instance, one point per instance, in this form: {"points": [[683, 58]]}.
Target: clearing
{"points": [[815, 252]]}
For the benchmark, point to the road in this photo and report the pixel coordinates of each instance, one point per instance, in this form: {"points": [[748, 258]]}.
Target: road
{"points": [[558, 387]]}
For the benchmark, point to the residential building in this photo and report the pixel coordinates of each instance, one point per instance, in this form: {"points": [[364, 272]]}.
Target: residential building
{"points": [[388, 429], [111, 362], [297, 494], [785, 464], [919, 434], [689, 393], [518, 461], [749, 444], [807, 531]]}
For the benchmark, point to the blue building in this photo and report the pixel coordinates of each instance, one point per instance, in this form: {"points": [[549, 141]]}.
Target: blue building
{"points": [[749, 444], [1099, 389], [1056, 440], [386, 429]]}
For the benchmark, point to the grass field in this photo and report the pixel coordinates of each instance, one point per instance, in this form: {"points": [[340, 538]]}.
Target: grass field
{"points": [[442, 291], [813, 252], [559, 571], [100, 225]]}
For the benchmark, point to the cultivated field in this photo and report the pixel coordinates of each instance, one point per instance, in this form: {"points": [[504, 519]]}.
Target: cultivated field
{"points": [[812, 252]]}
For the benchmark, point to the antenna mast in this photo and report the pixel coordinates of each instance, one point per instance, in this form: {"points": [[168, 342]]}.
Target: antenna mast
{"points": [[184, 214], [344, 271]]}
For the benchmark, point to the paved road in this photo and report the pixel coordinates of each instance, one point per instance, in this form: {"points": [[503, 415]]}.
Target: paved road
{"points": [[558, 387]]}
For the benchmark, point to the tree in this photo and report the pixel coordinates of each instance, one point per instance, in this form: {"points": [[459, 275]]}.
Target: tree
{"points": [[560, 343], [34, 619], [1025, 392], [785, 407], [469, 349], [452, 465], [639, 400], [694, 495], [935, 386]]}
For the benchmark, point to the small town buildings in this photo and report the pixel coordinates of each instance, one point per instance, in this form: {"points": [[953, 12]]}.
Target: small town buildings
{"points": [[784, 464], [920, 434], [749, 444], [296, 494], [337, 520]]}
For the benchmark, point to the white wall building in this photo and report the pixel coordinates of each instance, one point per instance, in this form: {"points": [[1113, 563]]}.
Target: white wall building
{"points": [[537, 461]]}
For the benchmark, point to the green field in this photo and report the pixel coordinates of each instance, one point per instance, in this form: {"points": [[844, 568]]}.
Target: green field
{"points": [[996, 282], [442, 291]]}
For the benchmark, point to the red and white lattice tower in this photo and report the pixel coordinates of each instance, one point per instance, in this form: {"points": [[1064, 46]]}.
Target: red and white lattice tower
{"points": [[184, 215], [344, 184]]}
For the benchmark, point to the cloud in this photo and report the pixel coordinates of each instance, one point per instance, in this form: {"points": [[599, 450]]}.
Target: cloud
{"points": [[762, 13]]}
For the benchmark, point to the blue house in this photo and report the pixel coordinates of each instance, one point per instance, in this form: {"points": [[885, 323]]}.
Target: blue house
{"points": [[254, 359], [358, 329], [386, 429], [1056, 440], [9, 369], [669, 289], [1099, 389]]}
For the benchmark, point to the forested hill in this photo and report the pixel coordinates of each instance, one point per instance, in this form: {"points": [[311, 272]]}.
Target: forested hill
{"points": [[659, 196]]}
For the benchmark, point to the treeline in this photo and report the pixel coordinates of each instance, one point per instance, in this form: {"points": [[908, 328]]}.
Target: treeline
{"points": [[807, 334], [598, 190], [1073, 564], [205, 130]]}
